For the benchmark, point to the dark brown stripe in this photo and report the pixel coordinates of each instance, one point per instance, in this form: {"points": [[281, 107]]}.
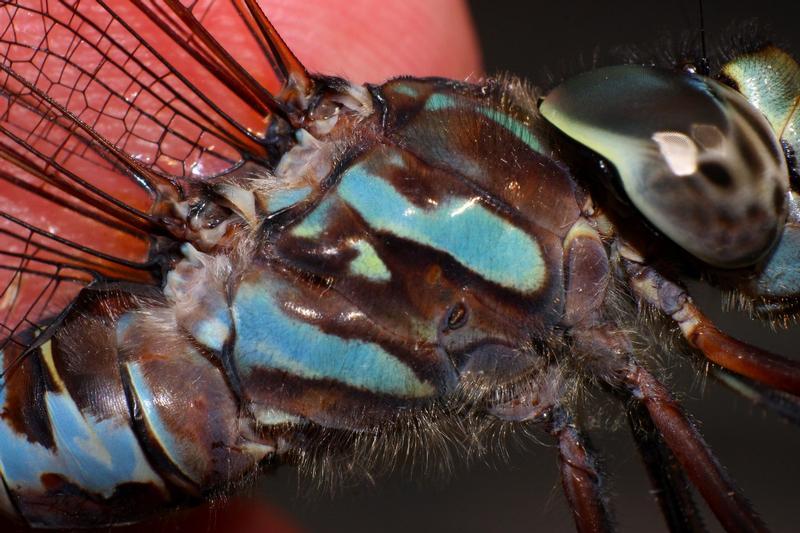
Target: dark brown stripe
{"points": [[326, 402]]}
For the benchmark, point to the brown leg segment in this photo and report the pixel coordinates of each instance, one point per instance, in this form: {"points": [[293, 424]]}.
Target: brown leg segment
{"points": [[757, 364], [694, 456], [670, 486], [580, 478]]}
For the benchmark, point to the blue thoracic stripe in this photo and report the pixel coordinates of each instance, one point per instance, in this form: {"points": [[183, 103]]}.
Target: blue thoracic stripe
{"points": [[439, 102], [461, 227], [269, 416], [269, 338], [368, 263], [406, 89], [517, 128], [283, 198], [314, 223], [213, 330], [98, 455]]}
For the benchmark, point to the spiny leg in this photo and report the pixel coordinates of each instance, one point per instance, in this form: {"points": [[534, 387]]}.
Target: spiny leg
{"points": [[731, 508], [671, 488], [579, 476], [719, 348], [615, 364]]}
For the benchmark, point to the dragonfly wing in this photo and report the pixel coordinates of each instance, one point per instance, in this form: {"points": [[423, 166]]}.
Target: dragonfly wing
{"points": [[106, 109]]}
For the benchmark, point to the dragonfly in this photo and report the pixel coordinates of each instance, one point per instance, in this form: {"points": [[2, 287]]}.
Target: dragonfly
{"points": [[236, 231]]}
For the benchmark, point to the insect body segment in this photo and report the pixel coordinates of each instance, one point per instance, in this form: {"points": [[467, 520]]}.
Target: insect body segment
{"points": [[75, 457], [412, 256], [308, 308]]}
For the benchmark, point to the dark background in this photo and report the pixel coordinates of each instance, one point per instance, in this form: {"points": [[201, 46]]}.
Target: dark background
{"points": [[542, 41]]}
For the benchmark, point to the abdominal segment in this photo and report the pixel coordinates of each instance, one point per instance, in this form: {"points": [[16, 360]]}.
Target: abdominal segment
{"points": [[94, 434]]}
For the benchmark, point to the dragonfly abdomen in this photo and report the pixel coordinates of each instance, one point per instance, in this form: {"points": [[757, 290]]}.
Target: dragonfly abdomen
{"points": [[90, 433]]}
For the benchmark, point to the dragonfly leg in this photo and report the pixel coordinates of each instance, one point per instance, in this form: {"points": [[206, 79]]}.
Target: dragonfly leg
{"points": [[670, 486], [739, 357], [785, 405], [675, 434], [692, 453], [580, 476]]}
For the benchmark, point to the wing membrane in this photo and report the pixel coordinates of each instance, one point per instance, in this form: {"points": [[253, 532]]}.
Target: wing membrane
{"points": [[114, 66], [107, 108]]}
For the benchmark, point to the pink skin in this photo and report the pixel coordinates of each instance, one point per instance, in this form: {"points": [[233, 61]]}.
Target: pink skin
{"points": [[354, 39], [362, 40]]}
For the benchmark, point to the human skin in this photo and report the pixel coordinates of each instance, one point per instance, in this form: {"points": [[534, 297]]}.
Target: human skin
{"points": [[364, 41]]}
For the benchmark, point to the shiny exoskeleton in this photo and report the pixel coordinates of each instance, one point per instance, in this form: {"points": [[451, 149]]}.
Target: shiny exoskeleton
{"points": [[422, 250]]}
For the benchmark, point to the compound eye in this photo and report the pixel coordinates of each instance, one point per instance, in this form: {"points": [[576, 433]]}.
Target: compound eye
{"points": [[694, 157]]}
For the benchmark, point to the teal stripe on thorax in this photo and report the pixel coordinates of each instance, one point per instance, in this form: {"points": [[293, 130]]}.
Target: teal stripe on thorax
{"points": [[368, 264], [406, 90], [460, 227], [269, 338], [439, 102], [283, 198], [315, 222], [517, 128], [213, 331], [269, 416]]}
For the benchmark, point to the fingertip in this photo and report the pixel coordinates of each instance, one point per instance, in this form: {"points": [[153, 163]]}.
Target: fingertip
{"points": [[357, 40]]}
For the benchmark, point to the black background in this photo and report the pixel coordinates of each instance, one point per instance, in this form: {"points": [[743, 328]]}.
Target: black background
{"points": [[543, 41]]}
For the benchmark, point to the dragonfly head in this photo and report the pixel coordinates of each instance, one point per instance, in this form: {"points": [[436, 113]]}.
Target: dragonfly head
{"points": [[695, 157]]}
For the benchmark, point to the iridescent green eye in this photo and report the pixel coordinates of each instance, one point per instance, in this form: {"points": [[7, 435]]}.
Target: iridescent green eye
{"points": [[770, 80], [700, 162]]}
